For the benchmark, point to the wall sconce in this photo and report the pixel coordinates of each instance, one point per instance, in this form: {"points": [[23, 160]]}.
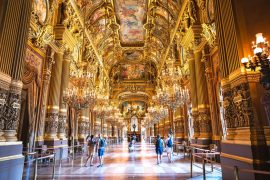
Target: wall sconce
{"points": [[260, 60]]}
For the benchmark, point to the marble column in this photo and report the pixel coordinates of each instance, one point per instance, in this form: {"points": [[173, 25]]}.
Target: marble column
{"points": [[194, 101], [49, 61], [52, 115], [64, 84]]}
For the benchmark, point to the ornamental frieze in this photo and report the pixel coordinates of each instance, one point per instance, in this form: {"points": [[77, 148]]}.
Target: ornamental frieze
{"points": [[243, 105], [12, 111], [51, 124]]}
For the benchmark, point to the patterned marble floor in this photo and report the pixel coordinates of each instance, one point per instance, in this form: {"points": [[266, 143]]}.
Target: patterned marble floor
{"points": [[121, 164]]}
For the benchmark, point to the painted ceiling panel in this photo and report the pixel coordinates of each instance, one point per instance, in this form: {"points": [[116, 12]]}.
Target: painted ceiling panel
{"points": [[131, 14]]}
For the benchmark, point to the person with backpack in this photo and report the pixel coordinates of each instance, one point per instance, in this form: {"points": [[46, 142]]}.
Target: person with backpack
{"points": [[169, 147], [91, 149], [159, 149], [101, 149]]}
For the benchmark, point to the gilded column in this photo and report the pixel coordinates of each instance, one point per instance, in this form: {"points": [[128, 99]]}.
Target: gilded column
{"points": [[82, 124], [115, 134], [152, 132], [105, 130], [194, 100], [49, 61], [97, 126], [13, 44], [109, 128], [181, 124], [202, 97], [64, 84], [185, 119], [215, 118], [52, 115], [177, 122]]}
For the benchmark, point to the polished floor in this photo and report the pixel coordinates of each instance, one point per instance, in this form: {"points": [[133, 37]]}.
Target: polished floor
{"points": [[121, 164]]}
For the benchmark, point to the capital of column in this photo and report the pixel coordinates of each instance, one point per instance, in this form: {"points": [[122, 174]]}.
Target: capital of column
{"points": [[67, 56], [190, 55]]}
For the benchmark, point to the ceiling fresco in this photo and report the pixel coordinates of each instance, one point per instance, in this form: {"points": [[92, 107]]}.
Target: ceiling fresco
{"points": [[131, 14], [132, 55]]}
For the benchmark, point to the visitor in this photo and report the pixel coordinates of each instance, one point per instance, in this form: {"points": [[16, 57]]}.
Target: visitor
{"points": [[159, 149], [91, 149], [101, 149], [169, 147]]}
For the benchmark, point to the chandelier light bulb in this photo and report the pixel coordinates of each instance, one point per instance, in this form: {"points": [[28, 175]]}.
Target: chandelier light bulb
{"points": [[258, 50], [244, 60], [259, 38]]}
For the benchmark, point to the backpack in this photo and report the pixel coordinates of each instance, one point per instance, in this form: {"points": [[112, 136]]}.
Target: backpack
{"points": [[102, 143], [170, 143], [91, 142], [159, 144]]}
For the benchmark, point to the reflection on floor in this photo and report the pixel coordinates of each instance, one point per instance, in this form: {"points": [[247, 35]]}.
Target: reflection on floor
{"points": [[120, 164]]}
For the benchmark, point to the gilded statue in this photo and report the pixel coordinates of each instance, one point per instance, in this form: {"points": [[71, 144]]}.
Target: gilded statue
{"points": [[192, 12]]}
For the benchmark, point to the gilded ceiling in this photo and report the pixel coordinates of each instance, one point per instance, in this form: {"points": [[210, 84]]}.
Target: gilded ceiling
{"points": [[131, 14], [129, 42], [130, 37]]}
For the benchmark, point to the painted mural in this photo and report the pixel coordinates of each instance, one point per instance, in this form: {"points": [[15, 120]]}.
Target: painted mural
{"points": [[132, 72], [133, 108], [131, 14], [132, 55]]}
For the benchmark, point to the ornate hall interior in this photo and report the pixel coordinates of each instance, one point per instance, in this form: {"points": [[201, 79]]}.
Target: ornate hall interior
{"points": [[130, 71]]}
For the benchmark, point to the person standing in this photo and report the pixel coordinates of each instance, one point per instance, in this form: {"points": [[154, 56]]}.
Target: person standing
{"points": [[159, 149], [101, 149], [91, 149], [169, 147]]}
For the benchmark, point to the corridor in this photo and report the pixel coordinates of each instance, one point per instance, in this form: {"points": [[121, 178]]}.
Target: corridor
{"points": [[121, 164]]}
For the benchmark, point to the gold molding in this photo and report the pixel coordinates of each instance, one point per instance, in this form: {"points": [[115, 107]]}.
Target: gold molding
{"points": [[216, 138], [203, 106], [52, 107], [29, 43]]}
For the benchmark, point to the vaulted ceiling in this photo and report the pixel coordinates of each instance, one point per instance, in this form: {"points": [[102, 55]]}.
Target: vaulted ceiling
{"points": [[139, 28], [131, 38]]}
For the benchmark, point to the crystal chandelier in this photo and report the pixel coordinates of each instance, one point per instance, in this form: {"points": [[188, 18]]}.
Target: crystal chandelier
{"points": [[80, 94], [260, 60], [79, 98]]}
